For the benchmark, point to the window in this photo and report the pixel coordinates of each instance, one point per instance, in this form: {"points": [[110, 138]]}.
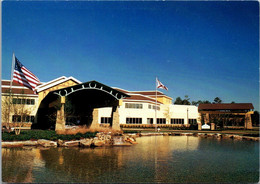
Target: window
{"points": [[192, 121], [161, 121], [106, 120], [177, 121], [16, 118], [25, 119], [14, 100], [30, 101], [149, 120], [19, 101], [153, 107], [133, 120], [23, 101], [133, 106]]}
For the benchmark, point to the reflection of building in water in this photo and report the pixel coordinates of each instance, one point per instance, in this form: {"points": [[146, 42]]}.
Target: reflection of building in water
{"points": [[83, 164], [164, 150], [17, 164]]}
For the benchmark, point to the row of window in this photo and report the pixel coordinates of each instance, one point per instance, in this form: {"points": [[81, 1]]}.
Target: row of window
{"points": [[133, 120], [153, 107], [139, 106], [23, 101], [192, 121], [177, 121], [133, 106], [149, 120], [106, 120], [18, 118]]}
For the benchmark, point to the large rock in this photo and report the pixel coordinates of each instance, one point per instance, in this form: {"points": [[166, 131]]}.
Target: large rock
{"points": [[46, 143], [71, 143], [98, 143], [237, 137], [85, 142], [30, 143], [60, 143], [121, 141], [12, 144]]}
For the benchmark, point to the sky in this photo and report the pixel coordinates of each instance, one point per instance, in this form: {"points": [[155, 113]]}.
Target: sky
{"points": [[201, 49]]}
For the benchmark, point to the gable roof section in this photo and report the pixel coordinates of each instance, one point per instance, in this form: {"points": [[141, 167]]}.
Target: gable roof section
{"points": [[55, 82], [227, 106]]}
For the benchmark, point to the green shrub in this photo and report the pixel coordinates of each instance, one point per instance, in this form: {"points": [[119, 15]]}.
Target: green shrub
{"points": [[43, 134]]}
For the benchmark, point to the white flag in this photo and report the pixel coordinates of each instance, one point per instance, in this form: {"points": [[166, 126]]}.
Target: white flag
{"points": [[160, 85]]}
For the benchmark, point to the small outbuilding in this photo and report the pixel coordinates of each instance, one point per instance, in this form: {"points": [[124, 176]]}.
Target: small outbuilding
{"points": [[209, 111]]}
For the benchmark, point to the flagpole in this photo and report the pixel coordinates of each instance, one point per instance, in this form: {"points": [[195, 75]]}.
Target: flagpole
{"points": [[11, 86], [12, 72], [156, 104]]}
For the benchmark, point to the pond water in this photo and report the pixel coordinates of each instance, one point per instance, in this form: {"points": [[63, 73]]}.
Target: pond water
{"points": [[172, 159]]}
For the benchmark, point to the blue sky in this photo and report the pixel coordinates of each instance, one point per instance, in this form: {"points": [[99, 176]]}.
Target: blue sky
{"points": [[201, 49]]}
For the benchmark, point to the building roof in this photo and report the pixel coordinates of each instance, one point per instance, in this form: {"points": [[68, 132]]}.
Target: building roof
{"points": [[226, 106], [143, 96], [55, 82], [140, 98], [16, 88]]}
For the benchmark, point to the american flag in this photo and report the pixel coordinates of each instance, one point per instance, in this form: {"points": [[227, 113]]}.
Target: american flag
{"points": [[23, 76], [160, 85]]}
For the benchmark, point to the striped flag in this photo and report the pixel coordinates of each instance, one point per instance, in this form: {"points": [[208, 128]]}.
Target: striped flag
{"points": [[160, 85], [23, 76]]}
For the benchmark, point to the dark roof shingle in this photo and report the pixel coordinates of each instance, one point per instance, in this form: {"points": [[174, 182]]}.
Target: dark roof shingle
{"points": [[227, 106]]}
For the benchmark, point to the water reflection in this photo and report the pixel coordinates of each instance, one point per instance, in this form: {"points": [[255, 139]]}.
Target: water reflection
{"points": [[154, 159], [17, 164]]}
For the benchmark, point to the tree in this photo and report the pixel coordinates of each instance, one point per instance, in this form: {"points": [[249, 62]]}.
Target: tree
{"points": [[16, 106], [186, 100], [6, 109], [255, 118], [178, 101], [200, 102], [206, 102], [194, 103], [217, 100], [167, 114]]}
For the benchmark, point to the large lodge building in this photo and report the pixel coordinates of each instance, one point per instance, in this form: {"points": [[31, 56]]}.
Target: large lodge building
{"points": [[95, 104]]}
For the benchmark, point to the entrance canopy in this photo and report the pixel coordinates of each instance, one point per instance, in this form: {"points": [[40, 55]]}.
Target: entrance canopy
{"points": [[79, 101]]}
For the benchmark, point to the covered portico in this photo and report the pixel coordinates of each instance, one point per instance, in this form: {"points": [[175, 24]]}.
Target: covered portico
{"points": [[207, 112], [83, 101]]}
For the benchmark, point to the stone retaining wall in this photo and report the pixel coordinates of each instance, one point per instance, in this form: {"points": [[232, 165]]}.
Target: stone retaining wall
{"points": [[101, 139], [107, 139]]}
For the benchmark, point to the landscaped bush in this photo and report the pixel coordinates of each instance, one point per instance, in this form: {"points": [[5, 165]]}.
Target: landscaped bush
{"points": [[44, 134], [131, 131]]}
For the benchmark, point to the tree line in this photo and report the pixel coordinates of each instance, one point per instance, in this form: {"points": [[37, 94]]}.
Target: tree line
{"points": [[186, 101]]}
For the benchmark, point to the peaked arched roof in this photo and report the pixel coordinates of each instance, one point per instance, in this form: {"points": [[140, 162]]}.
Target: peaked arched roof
{"points": [[91, 85]]}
